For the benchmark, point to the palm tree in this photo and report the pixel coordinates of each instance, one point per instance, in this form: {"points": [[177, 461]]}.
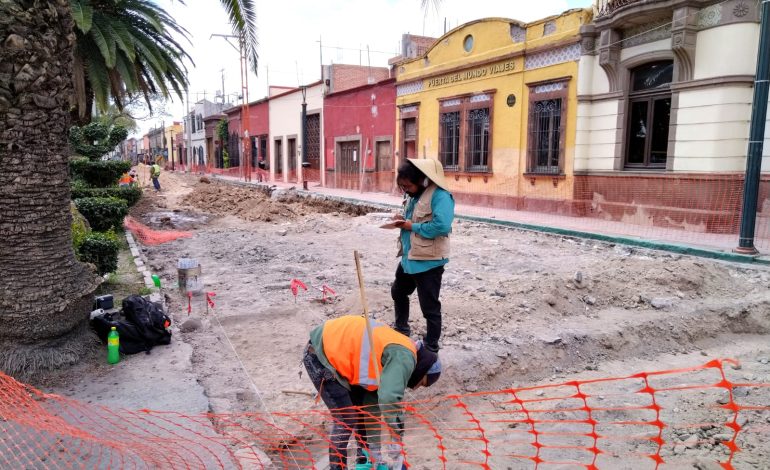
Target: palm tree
{"points": [[45, 293], [124, 48]]}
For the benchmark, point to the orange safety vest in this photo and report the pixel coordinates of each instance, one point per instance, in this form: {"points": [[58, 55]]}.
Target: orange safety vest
{"points": [[125, 179], [346, 346]]}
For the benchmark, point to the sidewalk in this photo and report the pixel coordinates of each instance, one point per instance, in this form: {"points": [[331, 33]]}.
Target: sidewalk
{"points": [[670, 239]]}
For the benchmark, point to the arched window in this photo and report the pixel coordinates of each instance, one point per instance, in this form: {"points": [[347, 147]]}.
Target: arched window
{"points": [[649, 113], [201, 161]]}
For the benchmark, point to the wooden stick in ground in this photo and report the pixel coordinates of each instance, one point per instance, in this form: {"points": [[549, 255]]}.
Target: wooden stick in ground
{"points": [[366, 314]]}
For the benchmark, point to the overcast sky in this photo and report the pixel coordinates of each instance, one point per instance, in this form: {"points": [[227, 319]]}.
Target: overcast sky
{"points": [[290, 30]]}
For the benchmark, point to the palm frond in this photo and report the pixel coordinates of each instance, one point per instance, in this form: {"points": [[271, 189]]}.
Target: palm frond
{"points": [[129, 49], [83, 14], [243, 18]]}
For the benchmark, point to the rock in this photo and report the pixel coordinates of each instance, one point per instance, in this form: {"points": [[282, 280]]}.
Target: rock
{"points": [[481, 289], [679, 449], [702, 463], [282, 232], [661, 303], [691, 442], [723, 437], [205, 179], [540, 393], [723, 400], [552, 340], [741, 391], [550, 300], [471, 387], [499, 293], [191, 325], [763, 360], [589, 300]]}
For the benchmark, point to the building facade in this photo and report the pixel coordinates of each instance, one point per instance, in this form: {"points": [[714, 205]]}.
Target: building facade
{"points": [[285, 124], [664, 97], [359, 136], [195, 131], [495, 100]]}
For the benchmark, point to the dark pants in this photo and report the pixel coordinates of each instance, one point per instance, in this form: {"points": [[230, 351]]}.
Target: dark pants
{"points": [[156, 183], [428, 285], [339, 400]]}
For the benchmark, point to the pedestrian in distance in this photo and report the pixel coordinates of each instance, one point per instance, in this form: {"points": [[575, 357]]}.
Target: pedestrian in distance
{"points": [[155, 174], [423, 244], [341, 362]]}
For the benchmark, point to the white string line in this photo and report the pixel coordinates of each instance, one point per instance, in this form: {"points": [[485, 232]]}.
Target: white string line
{"points": [[251, 380]]}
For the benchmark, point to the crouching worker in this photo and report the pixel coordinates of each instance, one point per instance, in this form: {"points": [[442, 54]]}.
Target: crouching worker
{"points": [[340, 361]]}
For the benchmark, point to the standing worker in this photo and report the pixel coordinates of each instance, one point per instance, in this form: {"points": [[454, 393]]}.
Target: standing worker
{"points": [[155, 174], [423, 244], [340, 361]]}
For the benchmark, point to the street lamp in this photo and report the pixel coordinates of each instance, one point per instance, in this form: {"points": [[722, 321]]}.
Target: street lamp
{"points": [[305, 163]]}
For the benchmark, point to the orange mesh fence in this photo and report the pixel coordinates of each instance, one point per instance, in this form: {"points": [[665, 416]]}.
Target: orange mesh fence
{"points": [[149, 236], [663, 419]]}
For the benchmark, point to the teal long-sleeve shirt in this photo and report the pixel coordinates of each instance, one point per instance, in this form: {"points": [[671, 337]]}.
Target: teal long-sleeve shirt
{"points": [[442, 205]]}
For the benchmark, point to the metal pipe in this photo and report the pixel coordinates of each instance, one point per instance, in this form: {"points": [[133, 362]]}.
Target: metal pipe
{"points": [[756, 136]]}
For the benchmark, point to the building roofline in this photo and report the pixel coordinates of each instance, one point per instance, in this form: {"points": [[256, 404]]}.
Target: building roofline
{"points": [[295, 90], [363, 87]]}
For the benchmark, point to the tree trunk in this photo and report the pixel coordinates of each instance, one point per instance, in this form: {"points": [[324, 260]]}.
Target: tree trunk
{"points": [[45, 293]]}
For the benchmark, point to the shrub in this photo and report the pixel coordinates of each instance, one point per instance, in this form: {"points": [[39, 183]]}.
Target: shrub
{"points": [[99, 174], [130, 194], [96, 139], [80, 227], [103, 213], [100, 249]]}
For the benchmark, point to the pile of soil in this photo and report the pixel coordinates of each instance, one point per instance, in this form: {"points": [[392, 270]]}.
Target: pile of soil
{"points": [[255, 205]]}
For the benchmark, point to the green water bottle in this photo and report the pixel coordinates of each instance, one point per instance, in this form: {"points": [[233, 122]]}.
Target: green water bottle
{"points": [[113, 346]]}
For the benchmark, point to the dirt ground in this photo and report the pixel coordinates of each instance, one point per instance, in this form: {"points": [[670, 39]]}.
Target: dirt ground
{"points": [[520, 308]]}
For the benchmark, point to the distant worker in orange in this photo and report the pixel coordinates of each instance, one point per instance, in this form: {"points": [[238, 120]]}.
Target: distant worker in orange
{"points": [[341, 363], [125, 180]]}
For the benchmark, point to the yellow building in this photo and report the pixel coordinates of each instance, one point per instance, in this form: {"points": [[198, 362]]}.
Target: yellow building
{"points": [[495, 100]]}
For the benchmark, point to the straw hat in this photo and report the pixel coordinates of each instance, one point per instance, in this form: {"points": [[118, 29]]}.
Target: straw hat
{"points": [[432, 169]]}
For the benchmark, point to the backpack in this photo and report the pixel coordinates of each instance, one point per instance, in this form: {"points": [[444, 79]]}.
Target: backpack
{"points": [[144, 325]]}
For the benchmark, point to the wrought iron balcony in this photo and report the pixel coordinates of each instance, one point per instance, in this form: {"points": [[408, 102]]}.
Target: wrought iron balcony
{"points": [[608, 7]]}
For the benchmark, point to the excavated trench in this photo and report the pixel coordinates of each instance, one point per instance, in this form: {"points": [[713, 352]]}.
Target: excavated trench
{"points": [[516, 313]]}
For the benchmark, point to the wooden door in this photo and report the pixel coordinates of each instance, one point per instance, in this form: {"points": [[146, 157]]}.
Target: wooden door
{"points": [[313, 150], [278, 159], [384, 169], [348, 165], [291, 145]]}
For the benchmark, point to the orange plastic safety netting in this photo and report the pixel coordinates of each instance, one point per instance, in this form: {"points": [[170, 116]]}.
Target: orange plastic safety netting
{"points": [[664, 419], [148, 236]]}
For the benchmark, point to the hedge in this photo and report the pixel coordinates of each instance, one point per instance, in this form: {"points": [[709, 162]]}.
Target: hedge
{"points": [[80, 227], [130, 194], [102, 213], [99, 174], [102, 250]]}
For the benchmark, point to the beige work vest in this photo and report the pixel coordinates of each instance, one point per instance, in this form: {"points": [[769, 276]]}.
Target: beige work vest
{"points": [[425, 249]]}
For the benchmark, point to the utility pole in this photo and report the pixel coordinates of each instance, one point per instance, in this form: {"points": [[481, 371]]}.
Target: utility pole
{"points": [[756, 136], [189, 134], [245, 115], [222, 72]]}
